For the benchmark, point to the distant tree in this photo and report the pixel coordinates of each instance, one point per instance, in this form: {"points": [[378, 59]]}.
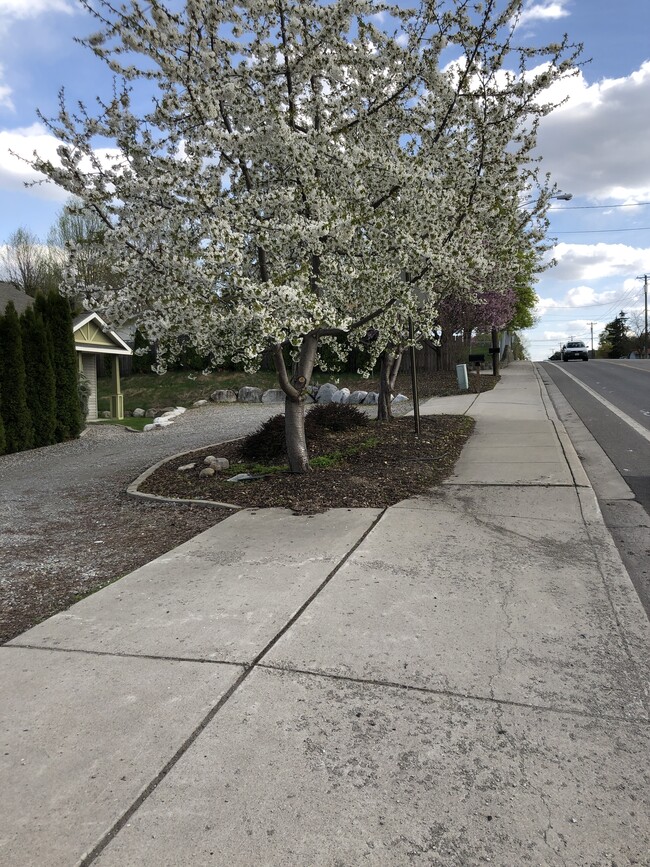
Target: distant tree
{"points": [[26, 263], [58, 317], [19, 434], [614, 341], [41, 391], [3, 440], [79, 234]]}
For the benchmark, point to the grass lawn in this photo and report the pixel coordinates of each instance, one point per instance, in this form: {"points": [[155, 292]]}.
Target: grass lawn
{"points": [[178, 387]]}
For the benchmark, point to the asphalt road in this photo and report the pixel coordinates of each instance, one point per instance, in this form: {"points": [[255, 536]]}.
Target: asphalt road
{"points": [[625, 385], [609, 425]]}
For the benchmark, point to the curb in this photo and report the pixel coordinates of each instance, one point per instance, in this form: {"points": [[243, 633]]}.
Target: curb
{"points": [[132, 489]]}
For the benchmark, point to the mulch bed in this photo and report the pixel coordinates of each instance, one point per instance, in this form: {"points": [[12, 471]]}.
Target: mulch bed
{"points": [[387, 463]]}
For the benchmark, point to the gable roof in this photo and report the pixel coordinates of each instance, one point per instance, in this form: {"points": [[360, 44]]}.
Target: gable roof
{"points": [[92, 334], [21, 300]]}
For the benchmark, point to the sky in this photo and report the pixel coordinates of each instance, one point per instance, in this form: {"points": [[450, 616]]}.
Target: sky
{"points": [[596, 146]]}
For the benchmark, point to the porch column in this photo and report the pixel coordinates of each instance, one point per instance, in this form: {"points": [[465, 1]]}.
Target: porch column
{"points": [[117, 398]]}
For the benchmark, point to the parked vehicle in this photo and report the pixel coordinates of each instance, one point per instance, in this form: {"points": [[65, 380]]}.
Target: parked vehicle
{"points": [[575, 350]]}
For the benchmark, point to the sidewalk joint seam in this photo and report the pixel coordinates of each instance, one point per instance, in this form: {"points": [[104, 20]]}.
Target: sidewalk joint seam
{"points": [[427, 690], [118, 655], [207, 719]]}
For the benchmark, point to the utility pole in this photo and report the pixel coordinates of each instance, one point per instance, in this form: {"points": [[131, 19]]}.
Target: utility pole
{"points": [[644, 277], [591, 324]]}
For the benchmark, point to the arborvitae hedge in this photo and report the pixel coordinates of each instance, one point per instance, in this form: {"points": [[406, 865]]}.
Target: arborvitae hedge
{"points": [[39, 370], [18, 431], [58, 318]]}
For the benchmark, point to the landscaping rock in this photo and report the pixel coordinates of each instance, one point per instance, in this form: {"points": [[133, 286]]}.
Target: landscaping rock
{"points": [[105, 414], [151, 413], [209, 459], [325, 392], [400, 398], [249, 394], [200, 403], [222, 395], [371, 399], [149, 427], [357, 397], [341, 395], [138, 412], [207, 473], [273, 395], [167, 409], [186, 467]]}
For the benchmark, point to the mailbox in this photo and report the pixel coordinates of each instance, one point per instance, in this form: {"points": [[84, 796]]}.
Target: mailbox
{"points": [[477, 359]]}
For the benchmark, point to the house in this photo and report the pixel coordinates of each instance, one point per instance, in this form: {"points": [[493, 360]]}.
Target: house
{"points": [[92, 338]]}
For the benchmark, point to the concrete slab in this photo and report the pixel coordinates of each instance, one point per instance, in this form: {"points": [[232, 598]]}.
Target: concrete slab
{"points": [[475, 471], [541, 504], [82, 736], [221, 596], [498, 607], [304, 770]]}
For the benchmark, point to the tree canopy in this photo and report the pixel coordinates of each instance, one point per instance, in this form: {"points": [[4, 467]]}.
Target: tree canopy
{"points": [[296, 161]]}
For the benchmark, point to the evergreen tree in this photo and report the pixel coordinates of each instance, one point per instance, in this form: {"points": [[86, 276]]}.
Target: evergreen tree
{"points": [[19, 434], [3, 441], [58, 317], [614, 340], [41, 395]]}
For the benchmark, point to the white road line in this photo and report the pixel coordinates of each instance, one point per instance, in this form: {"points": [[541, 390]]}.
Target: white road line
{"points": [[623, 364], [610, 406]]}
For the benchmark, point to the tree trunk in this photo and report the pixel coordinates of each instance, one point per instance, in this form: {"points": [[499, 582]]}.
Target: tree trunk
{"points": [[294, 404], [390, 364]]}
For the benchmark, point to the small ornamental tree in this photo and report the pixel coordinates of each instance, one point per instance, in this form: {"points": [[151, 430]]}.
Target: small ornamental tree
{"points": [[272, 196], [56, 313], [41, 393], [19, 434]]}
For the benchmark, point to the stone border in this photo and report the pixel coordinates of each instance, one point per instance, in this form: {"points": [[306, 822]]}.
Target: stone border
{"points": [[133, 491]]}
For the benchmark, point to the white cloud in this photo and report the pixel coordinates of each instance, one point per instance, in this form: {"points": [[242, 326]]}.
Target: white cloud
{"points": [[596, 143], [5, 93], [589, 262], [547, 10], [33, 8], [19, 145]]}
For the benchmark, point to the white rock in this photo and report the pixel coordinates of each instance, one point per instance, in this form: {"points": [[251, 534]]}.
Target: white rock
{"points": [[341, 395], [249, 394], [325, 392], [148, 427], [400, 398], [200, 403], [207, 472], [138, 413], [357, 397], [273, 395], [186, 467]]}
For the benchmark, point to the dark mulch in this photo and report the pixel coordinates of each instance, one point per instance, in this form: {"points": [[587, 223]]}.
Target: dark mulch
{"points": [[379, 465]]}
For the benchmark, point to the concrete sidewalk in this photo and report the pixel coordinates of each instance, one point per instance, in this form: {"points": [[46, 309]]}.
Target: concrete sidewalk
{"points": [[460, 679]]}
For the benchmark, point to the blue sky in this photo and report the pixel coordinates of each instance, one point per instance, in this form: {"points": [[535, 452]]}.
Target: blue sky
{"points": [[596, 146]]}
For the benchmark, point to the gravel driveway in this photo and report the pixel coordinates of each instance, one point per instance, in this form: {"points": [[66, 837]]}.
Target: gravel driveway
{"points": [[67, 527]]}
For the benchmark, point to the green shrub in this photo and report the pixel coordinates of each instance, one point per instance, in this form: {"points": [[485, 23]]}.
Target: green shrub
{"points": [[267, 443], [58, 318], [39, 371], [335, 417], [18, 431], [3, 441]]}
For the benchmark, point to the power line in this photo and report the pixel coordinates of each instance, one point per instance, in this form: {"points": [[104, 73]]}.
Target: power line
{"points": [[601, 231], [599, 207]]}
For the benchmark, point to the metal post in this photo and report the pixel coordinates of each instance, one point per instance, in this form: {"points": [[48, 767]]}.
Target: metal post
{"points": [[414, 381], [495, 352]]}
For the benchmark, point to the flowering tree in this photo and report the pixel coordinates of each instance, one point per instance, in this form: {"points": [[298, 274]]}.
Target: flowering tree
{"points": [[266, 198]]}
